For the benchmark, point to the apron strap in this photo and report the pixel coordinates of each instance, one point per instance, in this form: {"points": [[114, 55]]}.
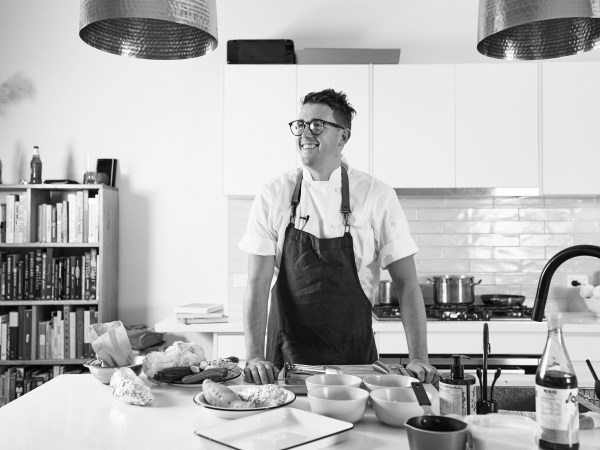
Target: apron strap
{"points": [[345, 199], [296, 196], [345, 208]]}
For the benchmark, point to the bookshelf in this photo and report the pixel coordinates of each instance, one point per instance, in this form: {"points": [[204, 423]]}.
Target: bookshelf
{"points": [[58, 274]]}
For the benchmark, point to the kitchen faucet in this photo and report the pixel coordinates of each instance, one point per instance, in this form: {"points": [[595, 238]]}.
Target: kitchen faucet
{"points": [[548, 271]]}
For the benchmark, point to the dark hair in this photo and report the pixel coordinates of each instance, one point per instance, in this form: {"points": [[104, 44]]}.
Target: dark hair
{"points": [[337, 101]]}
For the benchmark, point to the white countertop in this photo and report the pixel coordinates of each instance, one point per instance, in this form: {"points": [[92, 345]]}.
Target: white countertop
{"points": [[76, 411]]}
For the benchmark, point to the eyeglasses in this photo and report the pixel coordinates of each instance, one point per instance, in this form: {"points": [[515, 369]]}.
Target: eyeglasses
{"points": [[315, 126]]}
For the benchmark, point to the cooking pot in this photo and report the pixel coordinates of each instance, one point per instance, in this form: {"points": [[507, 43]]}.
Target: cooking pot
{"points": [[387, 293], [453, 289], [502, 299]]}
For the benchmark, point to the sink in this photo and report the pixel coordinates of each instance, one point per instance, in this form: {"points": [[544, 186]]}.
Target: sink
{"points": [[522, 398]]}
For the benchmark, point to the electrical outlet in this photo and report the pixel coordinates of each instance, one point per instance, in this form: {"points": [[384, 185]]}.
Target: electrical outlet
{"points": [[240, 280], [577, 280]]}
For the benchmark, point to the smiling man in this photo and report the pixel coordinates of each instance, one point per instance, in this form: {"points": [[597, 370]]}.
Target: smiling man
{"points": [[325, 231]]}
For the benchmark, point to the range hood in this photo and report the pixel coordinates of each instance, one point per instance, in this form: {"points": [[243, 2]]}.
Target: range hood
{"points": [[467, 192]]}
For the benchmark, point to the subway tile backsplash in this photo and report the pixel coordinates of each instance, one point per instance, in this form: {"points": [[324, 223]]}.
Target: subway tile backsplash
{"points": [[504, 241]]}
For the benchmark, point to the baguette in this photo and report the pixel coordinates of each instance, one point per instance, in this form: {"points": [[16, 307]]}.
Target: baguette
{"points": [[221, 396]]}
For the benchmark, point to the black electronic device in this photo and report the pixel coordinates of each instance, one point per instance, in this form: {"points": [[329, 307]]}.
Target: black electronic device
{"points": [[109, 167], [261, 51]]}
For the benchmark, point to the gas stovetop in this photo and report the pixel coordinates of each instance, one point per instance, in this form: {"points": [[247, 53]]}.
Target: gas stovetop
{"points": [[459, 313]]}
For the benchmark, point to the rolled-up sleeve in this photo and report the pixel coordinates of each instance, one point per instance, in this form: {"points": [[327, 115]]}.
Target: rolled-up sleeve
{"points": [[260, 237], [392, 231]]}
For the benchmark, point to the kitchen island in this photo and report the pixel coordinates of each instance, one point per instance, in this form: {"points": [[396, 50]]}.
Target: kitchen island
{"points": [[77, 412]]}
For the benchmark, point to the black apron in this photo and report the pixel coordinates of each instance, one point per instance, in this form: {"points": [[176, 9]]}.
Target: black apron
{"points": [[319, 312]]}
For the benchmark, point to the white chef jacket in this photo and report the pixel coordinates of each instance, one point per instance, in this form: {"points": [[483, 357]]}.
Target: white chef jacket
{"points": [[378, 224]]}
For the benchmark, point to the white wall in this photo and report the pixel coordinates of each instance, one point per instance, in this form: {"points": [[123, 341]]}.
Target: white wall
{"points": [[161, 120]]}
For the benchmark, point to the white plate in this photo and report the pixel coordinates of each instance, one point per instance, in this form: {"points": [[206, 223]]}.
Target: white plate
{"points": [[233, 413], [277, 430]]}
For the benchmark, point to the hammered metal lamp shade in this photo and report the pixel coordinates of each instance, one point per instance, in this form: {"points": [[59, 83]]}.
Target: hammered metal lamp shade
{"points": [[150, 29], [537, 29]]}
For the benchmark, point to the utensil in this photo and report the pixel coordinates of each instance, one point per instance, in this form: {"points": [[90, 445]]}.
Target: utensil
{"points": [[453, 289], [596, 380], [400, 368], [502, 299], [431, 431], [381, 367], [422, 397]]}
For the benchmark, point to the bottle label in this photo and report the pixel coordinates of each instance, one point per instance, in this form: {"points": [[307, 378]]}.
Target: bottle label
{"points": [[557, 412], [457, 399]]}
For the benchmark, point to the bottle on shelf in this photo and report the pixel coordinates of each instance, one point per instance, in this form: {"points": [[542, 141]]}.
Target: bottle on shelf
{"points": [[36, 167], [556, 406]]}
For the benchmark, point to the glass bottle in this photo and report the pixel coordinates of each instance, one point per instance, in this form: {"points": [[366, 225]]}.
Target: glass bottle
{"points": [[36, 167], [556, 406]]}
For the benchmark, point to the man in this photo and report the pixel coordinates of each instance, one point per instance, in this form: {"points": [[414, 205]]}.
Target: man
{"points": [[326, 230]]}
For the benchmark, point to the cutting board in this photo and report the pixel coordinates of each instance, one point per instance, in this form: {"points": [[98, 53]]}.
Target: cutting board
{"points": [[296, 384]]}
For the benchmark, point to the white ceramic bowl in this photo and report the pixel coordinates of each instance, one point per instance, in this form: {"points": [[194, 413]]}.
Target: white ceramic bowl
{"points": [[593, 304], [394, 406], [332, 379], [104, 374], [373, 382], [340, 402]]}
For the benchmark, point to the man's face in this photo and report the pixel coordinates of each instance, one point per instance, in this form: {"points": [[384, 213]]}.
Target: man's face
{"points": [[323, 151]]}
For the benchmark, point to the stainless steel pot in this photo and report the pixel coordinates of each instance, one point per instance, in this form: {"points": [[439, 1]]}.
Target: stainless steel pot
{"points": [[453, 289], [387, 293]]}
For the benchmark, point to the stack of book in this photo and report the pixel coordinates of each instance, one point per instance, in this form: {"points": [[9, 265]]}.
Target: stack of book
{"points": [[200, 313]]}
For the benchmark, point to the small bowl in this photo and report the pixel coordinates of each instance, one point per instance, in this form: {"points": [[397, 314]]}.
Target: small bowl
{"points": [[593, 304], [394, 406], [444, 432], [373, 382], [103, 374], [332, 379], [340, 402]]}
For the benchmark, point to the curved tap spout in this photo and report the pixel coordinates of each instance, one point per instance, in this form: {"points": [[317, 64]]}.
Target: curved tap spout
{"points": [[548, 271]]}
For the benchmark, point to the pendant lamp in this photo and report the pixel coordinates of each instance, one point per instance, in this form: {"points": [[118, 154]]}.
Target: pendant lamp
{"points": [[537, 29], [150, 29]]}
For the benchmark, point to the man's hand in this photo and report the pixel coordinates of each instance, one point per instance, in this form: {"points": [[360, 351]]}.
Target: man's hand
{"points": [[259, 371], [424, 371]]}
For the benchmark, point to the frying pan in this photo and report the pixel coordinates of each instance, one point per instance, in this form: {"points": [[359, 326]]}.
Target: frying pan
{"points": [[502, 299]]}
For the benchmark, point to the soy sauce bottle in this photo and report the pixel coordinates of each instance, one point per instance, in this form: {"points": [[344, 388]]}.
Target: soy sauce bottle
{"points": [[556, 406]]}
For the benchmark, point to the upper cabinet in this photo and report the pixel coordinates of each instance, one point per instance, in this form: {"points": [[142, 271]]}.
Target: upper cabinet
{"points": [[497, 125], [448, 126], [413, 125], [571, 135], [258, 103], [353, 80]]}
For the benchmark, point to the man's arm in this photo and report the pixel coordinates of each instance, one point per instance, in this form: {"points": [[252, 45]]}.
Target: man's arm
{"points": [[412, 310], [260, 275]]}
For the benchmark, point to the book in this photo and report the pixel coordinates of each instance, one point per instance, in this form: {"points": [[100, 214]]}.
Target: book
{"points": [[195, 320], [200, 315], [13, 335], [202, 308]]}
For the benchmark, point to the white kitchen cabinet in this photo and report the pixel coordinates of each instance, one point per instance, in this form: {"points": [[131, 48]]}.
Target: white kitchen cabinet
{"points": [[258, 103], [497, 125], [353, 80], [571, 131], [413, 125]]}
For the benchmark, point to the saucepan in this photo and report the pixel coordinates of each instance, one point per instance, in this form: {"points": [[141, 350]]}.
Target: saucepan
{"points": [[431, 431], [502, 299], [453, 289]]}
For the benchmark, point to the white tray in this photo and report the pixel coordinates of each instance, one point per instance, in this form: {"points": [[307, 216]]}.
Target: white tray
{"points": [[278, 429]]}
